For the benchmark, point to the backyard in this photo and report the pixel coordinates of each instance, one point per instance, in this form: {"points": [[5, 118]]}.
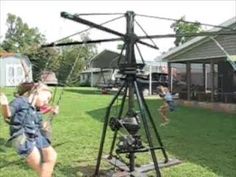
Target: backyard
{"points": [[203, 140]]}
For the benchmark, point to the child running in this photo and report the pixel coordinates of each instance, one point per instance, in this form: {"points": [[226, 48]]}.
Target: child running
{"points": [[168, 104]]}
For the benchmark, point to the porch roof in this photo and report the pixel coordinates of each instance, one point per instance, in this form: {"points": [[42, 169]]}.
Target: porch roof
{"points": [[179, 53]]}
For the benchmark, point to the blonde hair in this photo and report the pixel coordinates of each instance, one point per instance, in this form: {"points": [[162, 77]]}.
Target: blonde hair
{"points": [[43, 87], [28, 88]]}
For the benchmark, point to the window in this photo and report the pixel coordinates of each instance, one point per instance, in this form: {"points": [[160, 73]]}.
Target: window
{"points": [[19, 71], [11, 71]]}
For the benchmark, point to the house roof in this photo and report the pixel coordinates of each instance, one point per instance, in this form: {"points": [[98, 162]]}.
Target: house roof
{"points": [[195, 40], [6, 54], [106, 59], [10, 54]]}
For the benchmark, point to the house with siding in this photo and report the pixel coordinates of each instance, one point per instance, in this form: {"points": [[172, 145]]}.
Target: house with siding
{"points": [[207, 66], [14, 69]]}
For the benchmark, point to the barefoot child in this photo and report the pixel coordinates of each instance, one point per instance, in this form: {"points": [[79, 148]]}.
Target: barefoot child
{"points": [[168, 104], [26, 126]]}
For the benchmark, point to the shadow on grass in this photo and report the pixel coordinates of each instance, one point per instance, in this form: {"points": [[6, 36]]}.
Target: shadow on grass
{"points": [[2, 141], [4, 162], [3, 145], [89, 92], [61, 144], [7, 163], [82, 171], [198, 136], [83, 91]]}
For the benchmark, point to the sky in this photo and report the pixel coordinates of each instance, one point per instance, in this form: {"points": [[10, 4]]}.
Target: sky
{"points": [[45, 15]]}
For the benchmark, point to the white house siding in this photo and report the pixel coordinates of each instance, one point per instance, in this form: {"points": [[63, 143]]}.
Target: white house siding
{"points": [[12, 72]]}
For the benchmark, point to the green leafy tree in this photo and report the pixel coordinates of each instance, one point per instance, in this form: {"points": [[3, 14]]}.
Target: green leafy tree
{"points": [[1, 49], [78, 55], [180, 27], [44, 59], [20, 38]]}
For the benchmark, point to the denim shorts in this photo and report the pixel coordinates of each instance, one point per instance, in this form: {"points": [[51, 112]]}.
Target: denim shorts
{"points": [[27, 147]]}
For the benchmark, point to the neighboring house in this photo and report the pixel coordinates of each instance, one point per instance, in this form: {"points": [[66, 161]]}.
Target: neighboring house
{"points": [[152, 75], [155, 66], [103, 70], [207, 66], [96, 77], [15, 68]]}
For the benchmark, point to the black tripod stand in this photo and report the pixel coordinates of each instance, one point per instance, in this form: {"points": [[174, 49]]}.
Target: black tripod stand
{"points": [[131, 123], [131, 144]]}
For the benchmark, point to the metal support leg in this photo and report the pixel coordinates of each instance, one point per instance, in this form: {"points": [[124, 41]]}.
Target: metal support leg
{"points": [[131, 161], [148, 134], [155, 129], [119, 116], [105, 130]]}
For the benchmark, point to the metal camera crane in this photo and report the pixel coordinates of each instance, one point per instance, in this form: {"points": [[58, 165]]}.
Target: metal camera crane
{"points": [[131, 120]]}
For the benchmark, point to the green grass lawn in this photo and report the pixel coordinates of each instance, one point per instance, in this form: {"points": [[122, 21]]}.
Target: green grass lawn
{"points": [[205, 141]]}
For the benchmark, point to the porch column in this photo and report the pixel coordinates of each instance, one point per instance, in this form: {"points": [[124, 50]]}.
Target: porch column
{"points": [[170, 84], [91, 84], [103, 77], [188, 75], [150, 80], [204, 80], [212, 80]]}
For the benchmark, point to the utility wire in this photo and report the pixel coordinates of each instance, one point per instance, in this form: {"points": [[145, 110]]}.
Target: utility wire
{"points": [[189, 34], [140, 53], [177, 20], [87, 29], [121, 53], [140, 26]]}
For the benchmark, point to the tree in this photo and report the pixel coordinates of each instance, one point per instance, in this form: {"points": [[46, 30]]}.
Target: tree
{"points": [[20, 38], [44, 59], [1, 49], [69, 55], [181, 27]]}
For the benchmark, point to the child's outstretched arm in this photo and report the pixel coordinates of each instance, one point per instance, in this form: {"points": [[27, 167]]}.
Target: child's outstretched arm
{"points": [[5, 108]]}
